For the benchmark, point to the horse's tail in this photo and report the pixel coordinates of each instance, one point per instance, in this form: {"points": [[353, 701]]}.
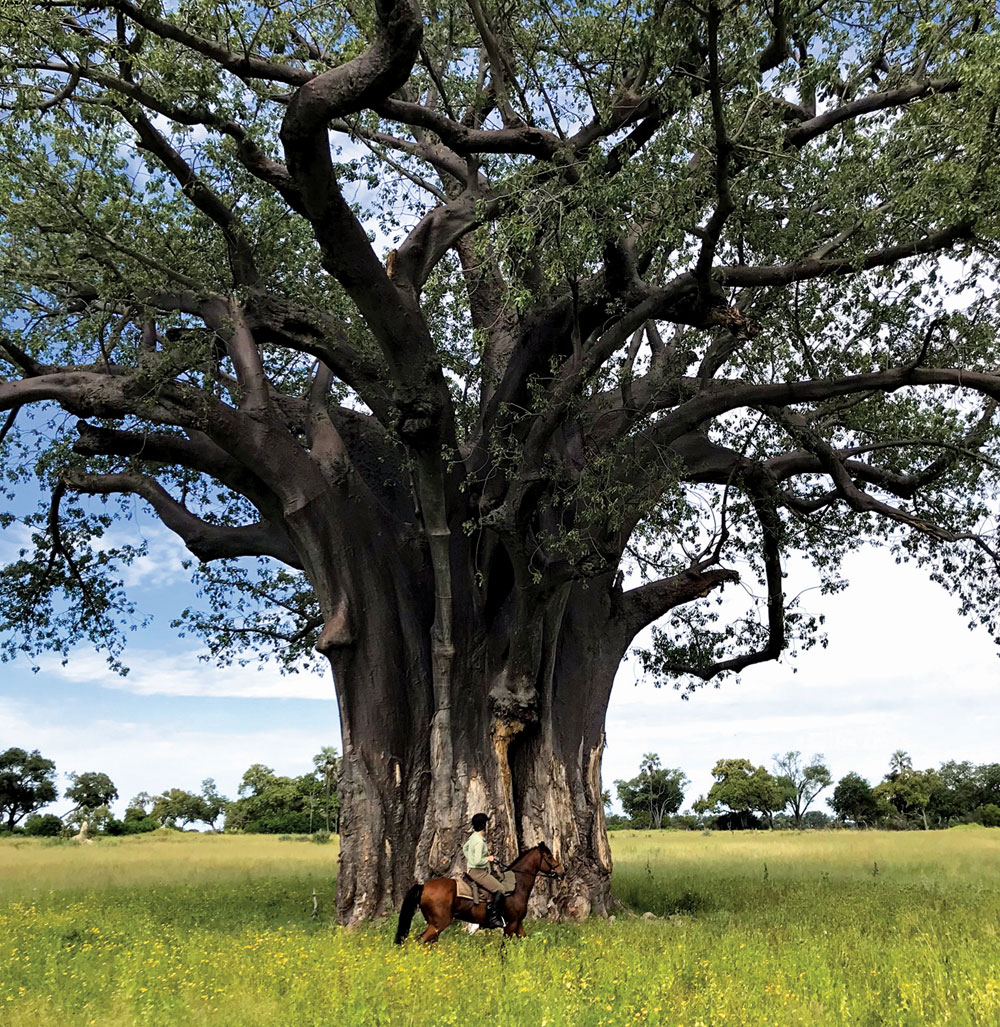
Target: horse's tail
{"points": [[409, 907]]}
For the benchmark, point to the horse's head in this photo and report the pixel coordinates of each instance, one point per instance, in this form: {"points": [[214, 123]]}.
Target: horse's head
{"points": [[548, 865]]}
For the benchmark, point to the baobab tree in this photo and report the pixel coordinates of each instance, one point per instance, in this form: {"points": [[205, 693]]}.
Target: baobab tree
{"points": [[463, 344]]}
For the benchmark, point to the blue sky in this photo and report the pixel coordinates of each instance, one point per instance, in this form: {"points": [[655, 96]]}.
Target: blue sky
{"points": [[902, 671]]}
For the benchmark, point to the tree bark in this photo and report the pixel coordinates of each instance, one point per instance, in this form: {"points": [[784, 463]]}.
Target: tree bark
{"points": [[525, 749]]}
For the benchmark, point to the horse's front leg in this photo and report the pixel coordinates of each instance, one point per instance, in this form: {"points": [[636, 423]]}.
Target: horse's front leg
{"points": [[514, 929]]}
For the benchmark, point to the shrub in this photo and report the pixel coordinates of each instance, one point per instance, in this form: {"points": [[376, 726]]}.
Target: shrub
{"points": [[741, 820], [686, 822], [988, 815], [47, 826], [136, 822]]}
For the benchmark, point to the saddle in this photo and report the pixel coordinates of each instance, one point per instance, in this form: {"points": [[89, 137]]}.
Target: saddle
{"points": [[468, 889]]}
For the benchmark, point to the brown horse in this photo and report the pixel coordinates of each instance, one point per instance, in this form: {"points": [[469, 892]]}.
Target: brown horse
{"points": [[439, 902]]}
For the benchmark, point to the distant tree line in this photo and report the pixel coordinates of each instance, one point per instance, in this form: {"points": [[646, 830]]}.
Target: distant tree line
{"points": [[742, 796], [267, 804], [745, 796]]}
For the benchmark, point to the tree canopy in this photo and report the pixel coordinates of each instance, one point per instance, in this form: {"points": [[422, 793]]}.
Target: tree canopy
{"points": [[655, 793], [491, 331], [854, 800], [742, 788], [90, 791], [273, 804], [805, 781], [776, 184], [177, 808], [27, 782]]}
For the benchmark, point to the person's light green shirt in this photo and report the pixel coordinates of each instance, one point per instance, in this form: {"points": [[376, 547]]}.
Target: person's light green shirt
{"points": [[475, 851]]}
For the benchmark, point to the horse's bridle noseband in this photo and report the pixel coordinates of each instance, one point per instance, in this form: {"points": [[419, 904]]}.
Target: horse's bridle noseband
{"points": [[556, 875]]}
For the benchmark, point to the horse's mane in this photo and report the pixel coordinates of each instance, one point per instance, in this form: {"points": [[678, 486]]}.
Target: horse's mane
{"points": [[541, 846]]}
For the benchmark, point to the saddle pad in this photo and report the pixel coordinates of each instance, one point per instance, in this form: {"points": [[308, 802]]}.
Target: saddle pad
{"points": [[507, 885]]}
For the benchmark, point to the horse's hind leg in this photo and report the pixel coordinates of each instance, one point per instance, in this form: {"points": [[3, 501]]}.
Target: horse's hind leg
{"points": [[431, 933], [437, 920], [437, 903]]}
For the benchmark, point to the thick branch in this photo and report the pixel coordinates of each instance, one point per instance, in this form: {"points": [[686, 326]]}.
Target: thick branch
{"points": [[325, 444], [800, 134], [197, 453], [800, 271], [206, 541], [721, 396], [362, 82], [226, 318], [723, 150], [242, 65], [437, 233], [645, 604]]}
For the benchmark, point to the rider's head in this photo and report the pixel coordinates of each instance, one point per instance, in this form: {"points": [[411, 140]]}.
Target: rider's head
{"points": [[479, 822]]}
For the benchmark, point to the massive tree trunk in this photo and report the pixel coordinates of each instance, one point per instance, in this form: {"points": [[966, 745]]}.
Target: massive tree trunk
{"points": [[520, 741]]}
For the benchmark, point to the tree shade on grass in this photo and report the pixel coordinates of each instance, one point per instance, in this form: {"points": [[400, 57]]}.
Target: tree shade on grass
{"points": [[657, 297]]}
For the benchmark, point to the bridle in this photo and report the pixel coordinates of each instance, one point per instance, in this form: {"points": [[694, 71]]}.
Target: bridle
{"points": [[549, 871]]}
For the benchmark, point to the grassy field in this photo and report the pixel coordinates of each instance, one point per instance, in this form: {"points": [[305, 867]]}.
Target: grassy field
{"points": [[754, 929]]}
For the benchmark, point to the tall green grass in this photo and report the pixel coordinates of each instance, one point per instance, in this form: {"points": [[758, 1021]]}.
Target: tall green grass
{"points": [[754, 929]]}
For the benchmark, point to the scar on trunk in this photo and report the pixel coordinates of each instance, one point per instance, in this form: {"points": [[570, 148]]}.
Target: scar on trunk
{"points": [[503, 732]]}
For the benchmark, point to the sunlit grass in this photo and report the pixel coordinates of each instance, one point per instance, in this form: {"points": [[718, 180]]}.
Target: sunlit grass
{"points": [[164, 857], [751, 929]]}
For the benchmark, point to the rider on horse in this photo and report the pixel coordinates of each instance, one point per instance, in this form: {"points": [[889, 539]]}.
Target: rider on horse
{"points": [[477, 859], [439, 901]]}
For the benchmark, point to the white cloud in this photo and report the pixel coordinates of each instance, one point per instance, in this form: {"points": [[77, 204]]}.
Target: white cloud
{"points": [[902, 671], [155, 756], [12, 540], [183, 674], [162, 566]]}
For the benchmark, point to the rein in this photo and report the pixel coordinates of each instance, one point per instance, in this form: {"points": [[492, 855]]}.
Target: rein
{"points": [[531, 873]]}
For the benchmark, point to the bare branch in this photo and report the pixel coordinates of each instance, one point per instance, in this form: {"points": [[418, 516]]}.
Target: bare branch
{"points": [[205, 540], [8, 423], [723, 150]]}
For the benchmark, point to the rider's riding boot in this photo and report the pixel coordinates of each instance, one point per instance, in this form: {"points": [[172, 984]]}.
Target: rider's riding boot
{"points": [[494, 916]]}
